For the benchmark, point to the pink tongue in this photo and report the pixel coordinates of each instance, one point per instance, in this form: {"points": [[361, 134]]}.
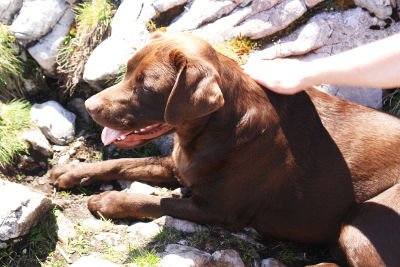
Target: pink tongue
{"points": [[109, 135]]}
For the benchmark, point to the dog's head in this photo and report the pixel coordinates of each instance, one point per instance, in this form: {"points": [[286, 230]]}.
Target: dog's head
{"points": [[171, 81]]}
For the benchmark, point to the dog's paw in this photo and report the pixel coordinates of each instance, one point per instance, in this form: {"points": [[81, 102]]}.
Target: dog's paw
{"points": [[110, 204], [70, 175]]}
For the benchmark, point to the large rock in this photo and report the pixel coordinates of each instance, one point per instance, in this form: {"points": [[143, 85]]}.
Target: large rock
{"points": [[45, 51], [381, 8], [37, 18], [38, 142], [20, 209], [8, 8], [229, 257], [128, 33], [327, 34], [56, 123]]}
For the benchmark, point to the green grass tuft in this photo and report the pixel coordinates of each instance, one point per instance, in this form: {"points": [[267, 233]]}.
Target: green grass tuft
{"points": [[10, 67], [93, 19], [237, 48], [14, 117]]}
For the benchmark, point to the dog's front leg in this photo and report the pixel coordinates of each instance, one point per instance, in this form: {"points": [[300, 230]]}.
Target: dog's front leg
{"points": [[153, 169], [115, 205]]}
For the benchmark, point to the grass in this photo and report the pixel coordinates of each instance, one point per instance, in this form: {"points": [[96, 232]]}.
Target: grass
{"points": [[237, 48], [10, 67], [14, 117], [391, 103], [35, 247], [93, 19]]}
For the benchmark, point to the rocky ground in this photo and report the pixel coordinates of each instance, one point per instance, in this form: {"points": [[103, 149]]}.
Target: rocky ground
{"points": [[69, 233]]}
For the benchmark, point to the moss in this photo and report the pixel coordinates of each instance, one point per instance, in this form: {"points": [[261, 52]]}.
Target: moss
{"points": [[237, 48]]}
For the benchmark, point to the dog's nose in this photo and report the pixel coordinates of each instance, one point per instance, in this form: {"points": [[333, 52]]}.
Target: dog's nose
{"points": [[93, 105]]}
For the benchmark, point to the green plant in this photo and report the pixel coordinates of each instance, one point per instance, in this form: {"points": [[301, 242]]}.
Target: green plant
{"points": [[14, 117], [93, 19], [10, 67], [237, 48], [142, 257]]}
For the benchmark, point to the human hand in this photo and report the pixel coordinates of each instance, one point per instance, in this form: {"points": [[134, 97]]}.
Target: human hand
{"points": [[284, 76]]}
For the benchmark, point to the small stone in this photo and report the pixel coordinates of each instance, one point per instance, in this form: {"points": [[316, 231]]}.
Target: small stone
{"points": [[271, 262], [180, 225], [248, 239], [38, 142], [66, 228], [93, 225], [143, 231], [178, 255], [228, 256], [142, 188], [180, 192], [93, 261], [106, 187], [109, 238], [63, 159]]}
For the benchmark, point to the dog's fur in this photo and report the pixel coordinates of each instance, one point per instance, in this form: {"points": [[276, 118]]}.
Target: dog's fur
{"points": [[309, 167]]}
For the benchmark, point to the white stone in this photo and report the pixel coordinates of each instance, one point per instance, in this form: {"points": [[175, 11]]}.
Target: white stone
{"points": [[142, 188], [312, 3], [56, 123], [38, 141], [228, 256], [184, 256], [8, 8], [109, 238], [93, 225], [164, 5], [21, 209], [179, 224], [45, 51], [37, 18], [128, 33], [143, 231], [271, 262], [381, 8]]}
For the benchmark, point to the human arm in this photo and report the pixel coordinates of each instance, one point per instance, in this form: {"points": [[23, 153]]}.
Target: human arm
{"points": [[373, 65]]}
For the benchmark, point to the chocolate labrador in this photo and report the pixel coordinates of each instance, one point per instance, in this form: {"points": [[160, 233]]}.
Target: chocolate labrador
{"points": [[307, 167]]}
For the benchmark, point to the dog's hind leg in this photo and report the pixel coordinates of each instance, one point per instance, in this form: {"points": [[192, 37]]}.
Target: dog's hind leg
{"points": [[371, 234]]}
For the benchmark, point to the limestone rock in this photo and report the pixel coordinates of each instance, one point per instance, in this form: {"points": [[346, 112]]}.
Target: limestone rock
{"points": [[8, 8], [179, 224], [381, 8], [164, 5], [228, 256], [271, 262], [56, 123], [142, 188], [38, 142], [20, 209], [143, 231], [27, 27], [93, 261], [45, 51], [184, 256], [66, 228]]}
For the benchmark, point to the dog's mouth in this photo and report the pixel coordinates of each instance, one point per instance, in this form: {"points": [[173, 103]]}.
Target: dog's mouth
{"points": [[134, 138]]}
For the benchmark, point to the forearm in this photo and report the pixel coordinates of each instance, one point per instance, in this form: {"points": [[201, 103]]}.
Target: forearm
{"points": [[373, 65]]}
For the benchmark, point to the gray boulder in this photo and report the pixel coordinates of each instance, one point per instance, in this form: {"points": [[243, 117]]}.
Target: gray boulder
{"points": [[228, 256], [45, 51], [328, 34], [56, 123], [36, 18], [8, 8], [20, 210]]}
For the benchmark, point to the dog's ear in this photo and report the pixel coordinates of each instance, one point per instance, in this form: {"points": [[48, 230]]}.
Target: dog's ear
{"points": [[196, 92]]}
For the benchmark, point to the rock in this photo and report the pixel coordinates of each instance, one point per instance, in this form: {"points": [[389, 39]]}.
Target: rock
{"points": [[66, 228], [180, 192], [27, 27], [93, 225], [20, 210], [143, 231], [141, 188], [381, 8], [30, 87], [45, 51], [272, 20], [248, 239], [109, 238], [128, 33], [8, 8], [38, 142], [56, 123], [271, 262], [183, 256], [164, 5], [228, 256], [179, 224], [328, 34], [77, 105], [165, 144], [93, 261], [312, 3], [106, 187]]}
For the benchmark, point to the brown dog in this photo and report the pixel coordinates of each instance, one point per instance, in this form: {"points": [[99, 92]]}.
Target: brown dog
{"points": [[309, 167]]}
